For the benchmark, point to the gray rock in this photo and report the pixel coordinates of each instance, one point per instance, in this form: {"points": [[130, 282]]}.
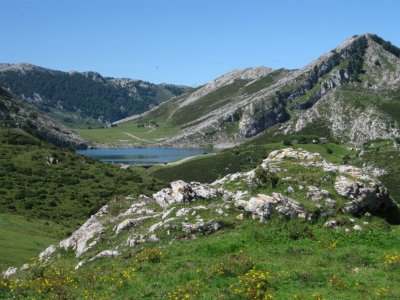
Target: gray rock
{"points": [[105, 253], [10, 271], [183, 212], [315, 194], [290, 190], [332, 224], [261, 206], [370, 197], [45, 255], [153, 238], [201, 227], [89, 231], [125, 224], [182, 192]]}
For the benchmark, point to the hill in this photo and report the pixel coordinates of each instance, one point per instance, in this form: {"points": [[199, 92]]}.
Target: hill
{"points": [[15, 113], [47, 191], [296, 226], [83, 99], [351, 94]]}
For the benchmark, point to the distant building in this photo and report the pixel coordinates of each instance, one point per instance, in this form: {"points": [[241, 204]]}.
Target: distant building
{"points": [[323, 140]]}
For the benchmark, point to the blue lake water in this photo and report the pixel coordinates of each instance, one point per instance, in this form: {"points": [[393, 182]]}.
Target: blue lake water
{"points": [[141, 155]]}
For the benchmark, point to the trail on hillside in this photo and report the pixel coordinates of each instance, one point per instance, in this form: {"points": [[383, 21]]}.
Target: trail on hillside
{"points": [[138, 138]]}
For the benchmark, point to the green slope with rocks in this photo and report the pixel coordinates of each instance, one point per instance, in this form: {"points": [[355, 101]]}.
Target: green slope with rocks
{"points": [[296, 226]]}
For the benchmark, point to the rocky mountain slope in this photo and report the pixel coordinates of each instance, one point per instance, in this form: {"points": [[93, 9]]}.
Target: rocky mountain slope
{"points": [[353, 92], [288, 185], [15, 113], [83, 98]]}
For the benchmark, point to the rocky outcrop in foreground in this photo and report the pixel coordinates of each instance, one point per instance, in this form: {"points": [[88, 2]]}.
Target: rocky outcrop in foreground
{"points": [[288, 184]]}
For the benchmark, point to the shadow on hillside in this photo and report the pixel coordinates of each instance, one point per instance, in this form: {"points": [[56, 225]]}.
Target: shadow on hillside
{"points": [[390, 213]]}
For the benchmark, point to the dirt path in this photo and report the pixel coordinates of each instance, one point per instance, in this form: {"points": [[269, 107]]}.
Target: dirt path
{"points": [[138, 138], [150, 131], [178, 162]]}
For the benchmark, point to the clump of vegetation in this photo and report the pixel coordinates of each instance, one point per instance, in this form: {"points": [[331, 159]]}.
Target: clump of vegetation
{"points": [[254, 285], [152, 255], [265, 177], [187, 291]]}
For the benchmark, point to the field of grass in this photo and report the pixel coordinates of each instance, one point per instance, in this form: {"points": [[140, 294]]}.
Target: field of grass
{"points": [[247, 260], [22, 238], [129, 133]]}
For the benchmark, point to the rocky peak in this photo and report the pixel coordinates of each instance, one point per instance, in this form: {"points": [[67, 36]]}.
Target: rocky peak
{"points": [[21, 67], [249, 74]]}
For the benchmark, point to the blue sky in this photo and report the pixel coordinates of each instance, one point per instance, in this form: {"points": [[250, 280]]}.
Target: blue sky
{"points": [[184, 41]]}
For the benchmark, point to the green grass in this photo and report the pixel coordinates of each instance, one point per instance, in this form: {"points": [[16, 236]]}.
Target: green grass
{"points": [[337, 155], [239, 159], [66, 193], [22, 239], [210, 168], [120, 134], [303, 261]]}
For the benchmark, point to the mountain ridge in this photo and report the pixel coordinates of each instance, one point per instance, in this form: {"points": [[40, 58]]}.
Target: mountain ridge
{"points": [[240, 109], [87, 97]]}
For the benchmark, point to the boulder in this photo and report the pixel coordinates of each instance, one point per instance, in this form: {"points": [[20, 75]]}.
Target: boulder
{"points": [[45, 255], [261, 206], [105, 253], [9, 272], [125, 224], [89, 231], [182, 192], [315, 194], [201, 227], [370, 197]]}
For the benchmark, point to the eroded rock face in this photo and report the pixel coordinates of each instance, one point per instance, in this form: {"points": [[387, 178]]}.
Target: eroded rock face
{"points": [[89, 231], [182, 192], [125, 224], [261, 206], [105, 253], [364, 197], [201, 227], [9, 272], [48, 252]]}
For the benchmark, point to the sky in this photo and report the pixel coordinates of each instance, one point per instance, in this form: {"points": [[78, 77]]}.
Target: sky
{"points": [[187, 42]]}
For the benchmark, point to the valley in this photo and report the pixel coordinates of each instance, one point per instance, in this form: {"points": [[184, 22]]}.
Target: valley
{"points": [[299, 201]]}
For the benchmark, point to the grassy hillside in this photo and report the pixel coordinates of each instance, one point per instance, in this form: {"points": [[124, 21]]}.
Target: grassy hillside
{"points": [[23, 238], [246, 260], [240, 159], [66, 192], [41, 202]]}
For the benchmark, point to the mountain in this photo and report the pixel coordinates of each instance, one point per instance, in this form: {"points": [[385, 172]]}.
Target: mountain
{"points": [[85, 98], [351, 94], [276, 231], [47, 190], [15, 113]]}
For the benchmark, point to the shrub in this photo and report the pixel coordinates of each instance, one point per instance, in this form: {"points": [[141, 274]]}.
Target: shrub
{"points": [[152, 255], [254, 285], [265, 178]]}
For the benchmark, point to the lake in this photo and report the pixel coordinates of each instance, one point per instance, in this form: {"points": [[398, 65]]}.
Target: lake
{"points": [[141, 155]]}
